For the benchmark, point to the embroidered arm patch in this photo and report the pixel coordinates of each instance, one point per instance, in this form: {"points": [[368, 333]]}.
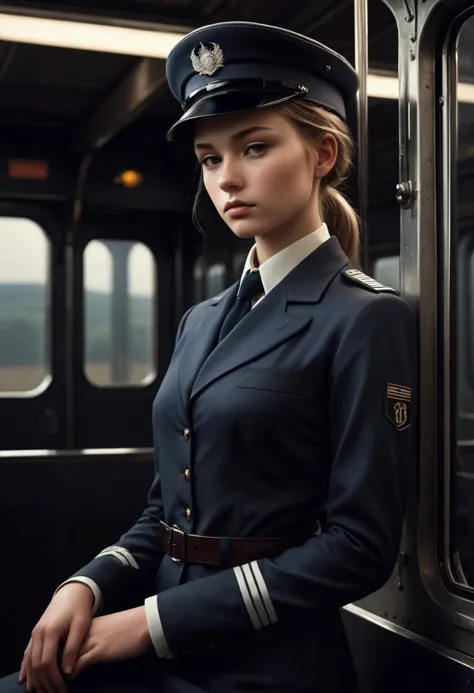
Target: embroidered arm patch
{"points": [[398, 406]]}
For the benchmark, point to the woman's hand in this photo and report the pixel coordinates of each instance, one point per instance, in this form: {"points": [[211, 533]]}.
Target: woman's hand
{"points": [[123, 635], [65, 621]]}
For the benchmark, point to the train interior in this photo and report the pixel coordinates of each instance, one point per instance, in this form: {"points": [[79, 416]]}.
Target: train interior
{"points": [[99, 258]]}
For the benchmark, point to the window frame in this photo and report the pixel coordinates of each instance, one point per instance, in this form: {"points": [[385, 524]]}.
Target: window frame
{"points": [[124, 411], [43, 412], [464, 272], [41, 222], [449, 307]]}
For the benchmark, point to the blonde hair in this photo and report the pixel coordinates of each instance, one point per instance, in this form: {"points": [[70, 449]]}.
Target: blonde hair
{"points": [[314, 122]]}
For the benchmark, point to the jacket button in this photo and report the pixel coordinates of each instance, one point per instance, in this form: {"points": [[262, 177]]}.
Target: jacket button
{"points": [[188, 514], [187, 474], [186, 434]]}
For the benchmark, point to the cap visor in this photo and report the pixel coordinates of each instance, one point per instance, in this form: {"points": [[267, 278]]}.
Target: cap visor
{"points": [[224, 103]]}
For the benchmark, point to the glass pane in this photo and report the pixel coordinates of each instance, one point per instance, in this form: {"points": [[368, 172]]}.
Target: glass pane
{"points": [[141, 267], [97, 312], [119, 300], [387, 271], [215, 279], [462, 496], [24, 309]]}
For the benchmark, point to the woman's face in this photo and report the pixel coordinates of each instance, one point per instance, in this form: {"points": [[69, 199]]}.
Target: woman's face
{"points": [[259, 171]]}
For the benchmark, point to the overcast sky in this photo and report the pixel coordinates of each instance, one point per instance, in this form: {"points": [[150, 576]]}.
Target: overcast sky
{"points": [[24, 259]]}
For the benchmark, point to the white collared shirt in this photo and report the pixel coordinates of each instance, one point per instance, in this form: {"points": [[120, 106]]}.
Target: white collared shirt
{"points": [[273, 270]]}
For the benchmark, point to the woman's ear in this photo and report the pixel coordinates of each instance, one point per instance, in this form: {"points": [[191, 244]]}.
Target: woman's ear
{"points": [[326, 155]]}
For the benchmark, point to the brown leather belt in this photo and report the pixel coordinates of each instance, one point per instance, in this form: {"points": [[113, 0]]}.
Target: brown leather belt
{"points": [[232, 551]]}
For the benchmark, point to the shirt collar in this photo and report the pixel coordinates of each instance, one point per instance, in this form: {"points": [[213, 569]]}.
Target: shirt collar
{"points": [[273, 270]]}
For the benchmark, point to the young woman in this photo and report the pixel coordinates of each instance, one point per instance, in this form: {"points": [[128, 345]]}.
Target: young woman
{"points": [[283, 425]]}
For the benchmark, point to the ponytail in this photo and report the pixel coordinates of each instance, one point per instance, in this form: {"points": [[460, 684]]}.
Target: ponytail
{"points": [[341, 220]]}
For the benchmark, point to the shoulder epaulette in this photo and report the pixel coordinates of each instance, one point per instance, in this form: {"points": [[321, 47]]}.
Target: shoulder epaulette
{"points": [[369, 283]]}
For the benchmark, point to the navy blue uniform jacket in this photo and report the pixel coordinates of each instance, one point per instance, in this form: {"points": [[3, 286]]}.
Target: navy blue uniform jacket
{"points": [[293, 426]]}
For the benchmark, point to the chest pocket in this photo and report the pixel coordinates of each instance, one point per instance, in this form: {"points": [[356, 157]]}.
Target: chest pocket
{"points": [[283, 382]]}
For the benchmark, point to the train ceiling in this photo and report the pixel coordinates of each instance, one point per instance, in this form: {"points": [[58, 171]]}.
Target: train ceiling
{"points": [[69, 86], [89, 98]]}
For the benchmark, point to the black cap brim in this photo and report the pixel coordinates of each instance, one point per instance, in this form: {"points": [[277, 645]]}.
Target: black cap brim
{"points": [[224, 103]]}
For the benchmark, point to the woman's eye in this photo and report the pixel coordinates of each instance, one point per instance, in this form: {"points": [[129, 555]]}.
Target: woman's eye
{"points": [[258, 148], [210, 161]]}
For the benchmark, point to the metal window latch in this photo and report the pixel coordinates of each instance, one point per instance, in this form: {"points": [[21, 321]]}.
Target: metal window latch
{"points": [[404, 194]]}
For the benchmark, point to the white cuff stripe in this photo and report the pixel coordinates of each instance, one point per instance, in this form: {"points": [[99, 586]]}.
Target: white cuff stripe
{"points": [[93, 586], [270, 609], [118, 551], [155, 628], [244, 591], [255, 594]]}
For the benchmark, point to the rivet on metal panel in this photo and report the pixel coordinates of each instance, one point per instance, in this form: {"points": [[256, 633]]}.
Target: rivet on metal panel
{"points": [[410, 16]]}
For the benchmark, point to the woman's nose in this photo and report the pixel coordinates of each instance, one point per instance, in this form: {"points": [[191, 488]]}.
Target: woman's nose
{"points": [[230, 176]]}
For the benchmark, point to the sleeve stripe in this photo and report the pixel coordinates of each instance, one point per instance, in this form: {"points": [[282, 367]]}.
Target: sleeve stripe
{"points": [[270, 609], [267, 617], [155, 628], [114, 554], [123, 555], [255, 594], [126, 554], [246, 596]]}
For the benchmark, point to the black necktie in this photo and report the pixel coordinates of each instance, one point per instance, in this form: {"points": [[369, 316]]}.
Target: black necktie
{"points": [[251, 286]]}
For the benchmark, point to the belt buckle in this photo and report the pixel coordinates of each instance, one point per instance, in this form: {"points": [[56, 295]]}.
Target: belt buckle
{"points": [[177, 540]]}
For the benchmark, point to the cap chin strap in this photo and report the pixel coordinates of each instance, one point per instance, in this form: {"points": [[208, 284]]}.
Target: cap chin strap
{"points": [[245, 84]]}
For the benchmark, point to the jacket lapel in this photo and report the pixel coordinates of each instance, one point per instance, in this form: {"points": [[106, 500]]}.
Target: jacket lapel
{"points": [[201, 341], [268, 325], [264, 328]]}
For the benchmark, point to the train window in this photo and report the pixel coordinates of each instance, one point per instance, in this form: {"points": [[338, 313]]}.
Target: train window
{"points": [[215, 279], [24, 307], [209, 279], [387, 271], [119, 308], [461, 539]]}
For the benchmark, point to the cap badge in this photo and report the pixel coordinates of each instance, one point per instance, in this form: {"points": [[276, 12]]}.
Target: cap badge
{"points": [[206, 60]]}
